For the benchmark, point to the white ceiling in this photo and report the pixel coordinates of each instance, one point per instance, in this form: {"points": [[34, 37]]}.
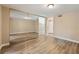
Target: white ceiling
{"points": [[41, 9]]}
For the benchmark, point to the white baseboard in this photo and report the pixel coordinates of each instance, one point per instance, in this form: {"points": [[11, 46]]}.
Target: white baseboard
{"points": [[66, 39], [6, 44]]}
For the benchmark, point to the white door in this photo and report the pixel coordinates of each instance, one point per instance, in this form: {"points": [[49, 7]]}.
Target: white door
{"points": [[50, 26]]}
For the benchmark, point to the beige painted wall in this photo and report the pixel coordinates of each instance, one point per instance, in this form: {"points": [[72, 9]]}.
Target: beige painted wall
{"points": [[67, 26], [4, 26], [22, 26], [37, 26], [0, 27]]}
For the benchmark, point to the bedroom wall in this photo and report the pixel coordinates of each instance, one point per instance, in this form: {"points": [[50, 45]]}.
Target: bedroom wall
{"points": [[37, 26], [0, 27], [4, 26], [22, 26], [67, 26]]}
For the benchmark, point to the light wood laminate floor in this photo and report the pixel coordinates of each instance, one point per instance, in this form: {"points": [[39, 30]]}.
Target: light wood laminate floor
{"points": [[42, 45]]}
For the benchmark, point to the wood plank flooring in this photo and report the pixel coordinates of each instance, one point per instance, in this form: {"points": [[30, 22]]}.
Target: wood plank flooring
{"points": [[42, 45]]}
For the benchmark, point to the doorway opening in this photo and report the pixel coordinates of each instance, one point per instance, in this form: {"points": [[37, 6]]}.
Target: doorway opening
{"points": [[42, 26]]}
